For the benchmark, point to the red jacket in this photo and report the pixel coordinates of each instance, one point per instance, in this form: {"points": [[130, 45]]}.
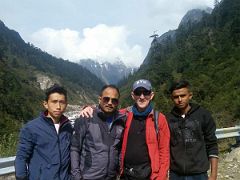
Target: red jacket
{"points": [[158, 149]]}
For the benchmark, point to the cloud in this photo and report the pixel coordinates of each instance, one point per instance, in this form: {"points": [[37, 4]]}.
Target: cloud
{"points": [[169, 7], [167, 14], [102, 43]]}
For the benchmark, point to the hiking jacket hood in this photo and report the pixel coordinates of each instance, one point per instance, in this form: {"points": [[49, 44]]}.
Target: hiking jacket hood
{"points": [[193, 140], [42, 153]]}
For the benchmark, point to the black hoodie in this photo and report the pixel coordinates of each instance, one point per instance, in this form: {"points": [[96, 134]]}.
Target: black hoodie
{"points": [[193, 140]]}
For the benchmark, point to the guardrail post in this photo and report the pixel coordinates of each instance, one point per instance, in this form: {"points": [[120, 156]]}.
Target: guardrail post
{"points": [[237, 141]]}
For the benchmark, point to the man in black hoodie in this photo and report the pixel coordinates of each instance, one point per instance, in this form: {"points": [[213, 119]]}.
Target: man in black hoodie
{"points": [[193, 144]]}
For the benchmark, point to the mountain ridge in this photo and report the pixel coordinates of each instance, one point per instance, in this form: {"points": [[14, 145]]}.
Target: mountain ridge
{"points": [[192, 16]]}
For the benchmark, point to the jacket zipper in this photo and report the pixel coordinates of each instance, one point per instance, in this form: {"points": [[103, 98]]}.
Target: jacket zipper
{"points": [[57, 134], [60, 155], [109, 147], [108, 155], [58, 142], [185, 149]]}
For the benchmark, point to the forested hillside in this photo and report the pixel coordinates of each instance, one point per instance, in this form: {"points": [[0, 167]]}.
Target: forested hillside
{"points": [[207, 54], [20, 94]]}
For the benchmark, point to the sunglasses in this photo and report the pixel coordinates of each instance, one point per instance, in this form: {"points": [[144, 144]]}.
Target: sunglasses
{"points": [[114, 101], [139, 92]]}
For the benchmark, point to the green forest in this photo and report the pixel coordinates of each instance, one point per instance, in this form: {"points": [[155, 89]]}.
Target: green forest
{"points": [[207, 54], [20, 93]]}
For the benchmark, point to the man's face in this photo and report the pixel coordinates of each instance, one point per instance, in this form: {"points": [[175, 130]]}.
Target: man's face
{"points": [[142, 98], [108, 101], [55, 105], [181, 98]]}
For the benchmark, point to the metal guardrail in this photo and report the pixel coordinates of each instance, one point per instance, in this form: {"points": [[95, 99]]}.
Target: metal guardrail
{"points": [[7, 164], [228, 132]]}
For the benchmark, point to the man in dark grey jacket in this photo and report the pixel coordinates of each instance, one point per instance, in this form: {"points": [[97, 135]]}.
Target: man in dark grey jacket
{"points": [[96, 141]]}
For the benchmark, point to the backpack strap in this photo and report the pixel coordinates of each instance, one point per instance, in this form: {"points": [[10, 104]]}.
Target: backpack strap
{"points": [[155, 118]]}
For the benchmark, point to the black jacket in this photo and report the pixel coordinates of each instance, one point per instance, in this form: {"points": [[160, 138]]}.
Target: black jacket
{"points": [[193, 140]]}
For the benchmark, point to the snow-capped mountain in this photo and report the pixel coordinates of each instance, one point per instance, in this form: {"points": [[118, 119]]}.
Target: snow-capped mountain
{"points": [[110, 73]]}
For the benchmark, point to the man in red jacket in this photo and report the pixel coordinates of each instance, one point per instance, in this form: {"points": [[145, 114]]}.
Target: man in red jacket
{"points": [[145, 153]]}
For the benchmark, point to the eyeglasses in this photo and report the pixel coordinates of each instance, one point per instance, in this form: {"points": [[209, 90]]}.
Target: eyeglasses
{"points": [[139, 92], [114, 101]]}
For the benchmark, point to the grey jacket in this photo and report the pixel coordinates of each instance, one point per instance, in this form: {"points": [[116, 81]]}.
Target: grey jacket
{"points": [[96, 147]]}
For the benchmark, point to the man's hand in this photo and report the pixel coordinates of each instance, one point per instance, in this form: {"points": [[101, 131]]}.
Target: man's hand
{"points": [[87, 112], [212, 178], [214, 168]]}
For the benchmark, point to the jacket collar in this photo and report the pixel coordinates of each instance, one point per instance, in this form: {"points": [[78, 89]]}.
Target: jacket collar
{"points": [[193, 107], [117, 115], [63, 119]]}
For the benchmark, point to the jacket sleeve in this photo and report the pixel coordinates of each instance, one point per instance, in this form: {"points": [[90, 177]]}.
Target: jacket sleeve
{"points": [[78, 136], [164, 149], [24, 152], [209, 128]]}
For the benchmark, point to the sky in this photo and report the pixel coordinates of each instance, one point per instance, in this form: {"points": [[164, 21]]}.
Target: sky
{"points": [[103, 30]]}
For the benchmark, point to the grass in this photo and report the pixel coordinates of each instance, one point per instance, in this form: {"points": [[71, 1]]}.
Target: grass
{"points": [[225, 145], [8, 145]]}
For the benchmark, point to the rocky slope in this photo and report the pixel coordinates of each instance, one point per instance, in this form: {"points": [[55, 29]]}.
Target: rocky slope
{"points": [[229, 165]]}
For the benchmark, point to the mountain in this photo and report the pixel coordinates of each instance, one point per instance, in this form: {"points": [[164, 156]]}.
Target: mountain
{"points": [[110, 73], [162, 40], [206, 53], [25, 71], [191, 17], [194, 16]]}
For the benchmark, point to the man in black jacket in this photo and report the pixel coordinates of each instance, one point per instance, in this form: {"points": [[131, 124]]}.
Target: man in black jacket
{"points": [[193, 141]]}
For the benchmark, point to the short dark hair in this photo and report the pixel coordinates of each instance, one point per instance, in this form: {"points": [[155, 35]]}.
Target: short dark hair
{"points": [[55, 89], [109, 86], [178, 85]]}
